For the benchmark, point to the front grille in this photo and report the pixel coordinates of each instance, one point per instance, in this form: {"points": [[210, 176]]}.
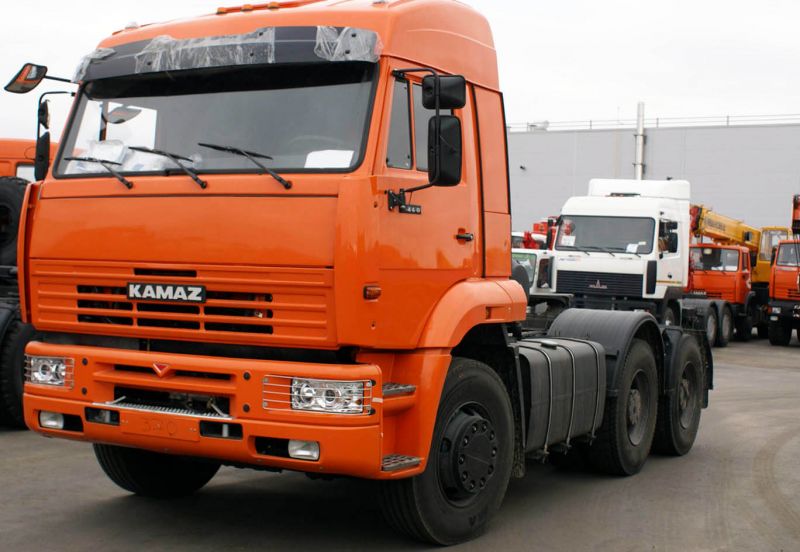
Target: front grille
{"points": [[599, 283], [256, 305]]}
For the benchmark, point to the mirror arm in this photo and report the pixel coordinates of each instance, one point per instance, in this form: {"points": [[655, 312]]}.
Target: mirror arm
{"points": [[59, 79], [437, 146]]}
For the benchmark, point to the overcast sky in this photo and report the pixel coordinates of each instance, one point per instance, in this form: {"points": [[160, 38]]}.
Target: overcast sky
{"points": [[559, 60]]}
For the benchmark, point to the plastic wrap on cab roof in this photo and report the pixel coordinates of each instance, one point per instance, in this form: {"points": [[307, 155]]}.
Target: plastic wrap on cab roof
{"points": [[267, 45]]}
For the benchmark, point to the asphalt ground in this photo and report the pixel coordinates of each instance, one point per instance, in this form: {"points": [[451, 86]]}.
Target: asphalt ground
{"points": [[738, 489]]}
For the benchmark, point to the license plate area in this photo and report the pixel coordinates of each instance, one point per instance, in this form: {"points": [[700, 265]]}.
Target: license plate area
{"points": [[157, 425]]}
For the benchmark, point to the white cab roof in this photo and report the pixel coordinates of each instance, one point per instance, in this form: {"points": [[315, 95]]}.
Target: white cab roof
{"points": [[664, 189]]}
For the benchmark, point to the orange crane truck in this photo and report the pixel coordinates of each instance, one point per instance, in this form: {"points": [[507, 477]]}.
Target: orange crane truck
{"points": [[784, 302], [278, 237], [732, 272]]}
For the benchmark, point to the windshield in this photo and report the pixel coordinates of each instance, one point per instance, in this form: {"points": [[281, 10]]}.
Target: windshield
{"points": [[711, 258], [617, 234], [788, 254], [301, 118], [769, 241]]}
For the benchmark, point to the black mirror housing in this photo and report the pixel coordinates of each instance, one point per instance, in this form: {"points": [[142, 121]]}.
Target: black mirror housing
{"points": [[773, 256], [446, 170], [672, 242], [27, 78], [42, 162], [452, 92]]}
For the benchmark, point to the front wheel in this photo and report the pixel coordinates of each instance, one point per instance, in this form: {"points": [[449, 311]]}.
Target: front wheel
{"points": [[712, 326], [624, 439], [780, 333], [154, 474], [469, 465], [744, 327], [679, 410]]}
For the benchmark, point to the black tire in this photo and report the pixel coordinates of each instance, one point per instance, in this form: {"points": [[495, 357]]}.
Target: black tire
{"points": [[12, 372], [12, 192], [762, 330], [624, 439], [725, 333], [153, 474], [679, 410], [744, 328], [712, 326], [520, 275], [780, 333], [439, 506], [672, 315]]}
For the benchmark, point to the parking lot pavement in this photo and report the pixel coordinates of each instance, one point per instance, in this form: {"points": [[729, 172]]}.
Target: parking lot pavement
{"points": [[737, 490]]}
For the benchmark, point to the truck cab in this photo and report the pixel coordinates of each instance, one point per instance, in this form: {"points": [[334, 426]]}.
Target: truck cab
{"points": [[784, 305], [625, 246]]}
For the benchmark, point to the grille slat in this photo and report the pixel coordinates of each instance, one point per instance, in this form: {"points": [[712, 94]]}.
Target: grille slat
{"points": [[599, 283]]}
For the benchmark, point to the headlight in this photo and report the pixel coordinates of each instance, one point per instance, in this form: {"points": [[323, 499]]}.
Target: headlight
{"points": [[776, 310], [57, 371], [335, 397]]}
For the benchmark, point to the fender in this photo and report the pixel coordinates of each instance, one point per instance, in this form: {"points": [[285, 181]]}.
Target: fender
{"points": [[615, 331], [471, 303]]}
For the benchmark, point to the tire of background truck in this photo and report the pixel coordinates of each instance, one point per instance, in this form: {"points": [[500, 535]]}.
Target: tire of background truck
{"points": [[153, 474], [12, 372], [744, 328], [520, 275], [762, 330], [672, 316], [712, 326], [469, 465], [679, 410], [624, 439], [12, 192], [725, 329], [780, 333]]}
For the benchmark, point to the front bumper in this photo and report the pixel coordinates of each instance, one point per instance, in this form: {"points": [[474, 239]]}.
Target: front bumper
{"points": [[349, 444], [789, 312]]}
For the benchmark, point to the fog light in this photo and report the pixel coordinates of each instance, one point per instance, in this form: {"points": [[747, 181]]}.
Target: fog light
{"points": [[56, 371], [335, 397], [304, 450], [51, 420]]}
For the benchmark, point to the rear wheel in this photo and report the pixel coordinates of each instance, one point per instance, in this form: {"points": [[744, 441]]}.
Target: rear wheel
{"points": [[469, 465], [153, 474], [679, 410], [12, 372], [672, 315], [725, 332], [712, 326], [624, 439], [780, 333]]}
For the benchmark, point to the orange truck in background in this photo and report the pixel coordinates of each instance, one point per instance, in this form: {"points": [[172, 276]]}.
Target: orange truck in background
{"points": [[17, 157], [784, 304], [278, 237]]}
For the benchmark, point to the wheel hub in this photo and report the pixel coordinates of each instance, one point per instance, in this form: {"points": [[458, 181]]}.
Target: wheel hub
{"points": [[634, 407], [468, 455]]}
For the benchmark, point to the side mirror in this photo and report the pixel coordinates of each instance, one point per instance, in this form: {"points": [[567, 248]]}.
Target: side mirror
{"points": [[42, 162], [27, 78], [43, 115], [672, 242], [452, 92], [444, 150], [773, 256]]}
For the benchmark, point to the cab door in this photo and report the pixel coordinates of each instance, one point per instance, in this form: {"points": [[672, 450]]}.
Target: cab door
{"points": [[421, 255]]}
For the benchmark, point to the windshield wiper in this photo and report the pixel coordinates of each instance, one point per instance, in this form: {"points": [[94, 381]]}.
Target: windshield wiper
{"points": [[106, 165], [597, 248], [251, 155], [175, 158]]}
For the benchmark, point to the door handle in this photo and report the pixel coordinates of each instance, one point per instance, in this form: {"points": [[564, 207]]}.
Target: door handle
{"points": [[465, 236]]}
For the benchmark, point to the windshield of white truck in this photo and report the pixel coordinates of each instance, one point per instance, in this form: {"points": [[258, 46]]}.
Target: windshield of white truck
{"points": [[788, 255], [610, 234], [711, 258], [301, 118]]}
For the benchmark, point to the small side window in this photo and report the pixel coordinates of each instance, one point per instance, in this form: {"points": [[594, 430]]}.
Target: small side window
{"points": [[398, 152], [422, 117]]}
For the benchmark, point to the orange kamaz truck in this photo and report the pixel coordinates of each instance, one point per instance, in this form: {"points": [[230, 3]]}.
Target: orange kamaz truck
{"points": [[784, 285], [278, 237]]}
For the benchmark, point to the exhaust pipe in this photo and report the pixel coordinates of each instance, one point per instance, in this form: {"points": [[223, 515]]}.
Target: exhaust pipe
{"points": [[638, 163]]}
